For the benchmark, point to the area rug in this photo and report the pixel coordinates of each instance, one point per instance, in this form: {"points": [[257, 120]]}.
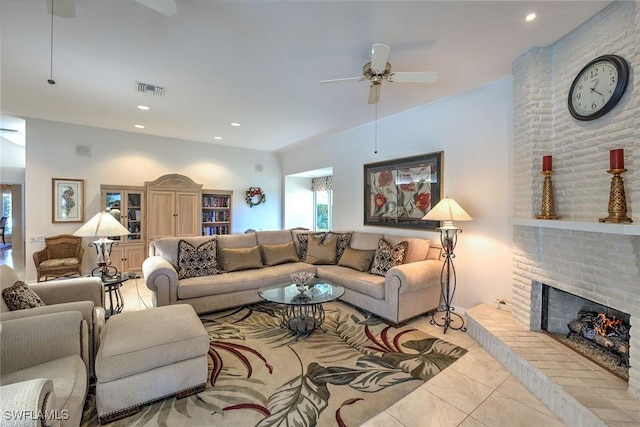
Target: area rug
{"points": [[263, 375]]}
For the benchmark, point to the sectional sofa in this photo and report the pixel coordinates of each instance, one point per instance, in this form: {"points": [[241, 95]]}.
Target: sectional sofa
{"points": [[218, 272]]}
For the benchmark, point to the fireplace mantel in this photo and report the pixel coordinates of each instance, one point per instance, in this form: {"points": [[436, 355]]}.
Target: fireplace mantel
{"points": [[594, 227]]}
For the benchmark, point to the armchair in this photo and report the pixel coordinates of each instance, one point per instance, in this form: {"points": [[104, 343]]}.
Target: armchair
{"points": [[43, 368], [61, 256], [83, 294]]}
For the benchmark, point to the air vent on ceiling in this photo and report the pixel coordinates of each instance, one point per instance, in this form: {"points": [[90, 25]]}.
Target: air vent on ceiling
{"points": [[9, 130], [149, 88]]}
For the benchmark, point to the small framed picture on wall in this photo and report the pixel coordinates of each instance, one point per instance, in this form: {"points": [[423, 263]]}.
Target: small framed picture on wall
{"points": [[67, 203]]}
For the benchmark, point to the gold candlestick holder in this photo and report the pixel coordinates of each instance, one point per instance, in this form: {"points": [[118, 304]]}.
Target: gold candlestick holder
{"points": [[617, 199], [548, 210]]}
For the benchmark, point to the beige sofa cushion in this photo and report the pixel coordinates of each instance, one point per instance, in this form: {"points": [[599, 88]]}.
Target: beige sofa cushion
{"points": [[367, 241], [278, 254], [248, 240], [417, 249], [358, 281], [274, 237], [236, 259], [358, 259]]}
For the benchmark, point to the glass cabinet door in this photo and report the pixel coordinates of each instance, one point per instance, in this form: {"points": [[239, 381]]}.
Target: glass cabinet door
{"points": [[133, 217], [113, 205]]}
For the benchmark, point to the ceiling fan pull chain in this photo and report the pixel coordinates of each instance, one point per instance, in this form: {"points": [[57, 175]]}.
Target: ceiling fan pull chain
{"points": [[375, 151], [51, 81]]}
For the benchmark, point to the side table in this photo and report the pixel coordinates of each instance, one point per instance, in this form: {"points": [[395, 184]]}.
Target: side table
{"points": [[112, 285]]}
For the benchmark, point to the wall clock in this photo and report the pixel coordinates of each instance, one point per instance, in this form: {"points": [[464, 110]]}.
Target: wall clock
{"points": [[598, 87]]}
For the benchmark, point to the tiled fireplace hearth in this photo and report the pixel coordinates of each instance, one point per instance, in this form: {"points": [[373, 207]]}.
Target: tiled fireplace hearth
{"points": [[602, 267]]}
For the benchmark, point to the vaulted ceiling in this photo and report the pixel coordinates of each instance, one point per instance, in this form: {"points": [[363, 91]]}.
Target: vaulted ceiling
{"points": [[257, 63]]}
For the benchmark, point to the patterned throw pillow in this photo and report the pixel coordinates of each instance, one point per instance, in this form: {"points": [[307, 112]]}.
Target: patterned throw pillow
{"points": [[303, 240], [343, 242], [197, 261], [388, 256], [20, 296]]}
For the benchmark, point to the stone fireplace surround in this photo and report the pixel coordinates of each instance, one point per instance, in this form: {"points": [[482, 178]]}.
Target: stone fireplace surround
{"points": [[577, 254], [598, 262]]}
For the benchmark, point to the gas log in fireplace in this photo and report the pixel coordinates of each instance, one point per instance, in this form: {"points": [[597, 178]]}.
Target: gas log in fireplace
{"points": [[594, 330]]}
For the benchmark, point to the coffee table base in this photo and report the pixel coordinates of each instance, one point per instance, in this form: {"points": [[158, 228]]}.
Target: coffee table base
{"points": [[302, 319]]}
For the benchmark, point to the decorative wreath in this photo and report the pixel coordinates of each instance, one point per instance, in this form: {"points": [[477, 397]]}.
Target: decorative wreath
{"points": [[254, 196]]}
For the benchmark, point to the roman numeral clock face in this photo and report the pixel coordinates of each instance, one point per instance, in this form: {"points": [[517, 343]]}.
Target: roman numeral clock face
{"points": [[598, 87]]}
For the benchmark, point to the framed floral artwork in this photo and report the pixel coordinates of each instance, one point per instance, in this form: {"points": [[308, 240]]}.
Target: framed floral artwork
{"points": [[399, 192], [68, 200]]}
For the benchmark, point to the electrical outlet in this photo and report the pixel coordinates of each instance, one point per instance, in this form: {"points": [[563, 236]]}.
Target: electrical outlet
{"points": [[36, 239]]}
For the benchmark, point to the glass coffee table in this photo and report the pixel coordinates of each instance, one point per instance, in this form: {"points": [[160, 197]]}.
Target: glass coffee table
{"points": [[302, 312]]}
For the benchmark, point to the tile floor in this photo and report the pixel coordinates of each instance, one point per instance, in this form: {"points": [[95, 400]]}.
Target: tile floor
{"points": [[475, 391]]}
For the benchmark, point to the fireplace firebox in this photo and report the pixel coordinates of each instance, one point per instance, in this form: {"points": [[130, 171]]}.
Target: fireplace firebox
{"points": [[596, 331]]}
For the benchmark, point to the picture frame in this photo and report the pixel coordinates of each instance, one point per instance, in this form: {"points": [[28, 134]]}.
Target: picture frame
{"points": [[399, 192], [67, 202]]}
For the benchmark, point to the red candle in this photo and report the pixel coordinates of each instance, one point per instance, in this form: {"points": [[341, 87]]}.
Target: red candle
{"points": [[546, 163], [616, 159]]}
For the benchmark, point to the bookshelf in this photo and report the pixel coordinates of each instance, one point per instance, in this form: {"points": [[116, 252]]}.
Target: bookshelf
{"points": [[216, 212]]}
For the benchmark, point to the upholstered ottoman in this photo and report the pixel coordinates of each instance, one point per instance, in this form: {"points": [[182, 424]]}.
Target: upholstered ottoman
{"points": [[148, 355]]}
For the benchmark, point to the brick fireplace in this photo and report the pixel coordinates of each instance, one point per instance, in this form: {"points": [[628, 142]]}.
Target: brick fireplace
{"points": [[577, 254]]}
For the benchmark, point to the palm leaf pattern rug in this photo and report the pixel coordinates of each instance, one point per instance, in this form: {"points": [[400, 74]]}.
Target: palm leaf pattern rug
{"points": [[260, 375]]}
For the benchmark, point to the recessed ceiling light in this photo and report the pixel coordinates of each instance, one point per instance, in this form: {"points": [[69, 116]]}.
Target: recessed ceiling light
{"points": [[143, 107], [530, 16], [138, 126], [217, 137], [236, 124]]}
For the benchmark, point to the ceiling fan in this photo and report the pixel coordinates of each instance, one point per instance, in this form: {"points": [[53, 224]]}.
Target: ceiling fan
{"points": [[67, 9], [378, 69]]}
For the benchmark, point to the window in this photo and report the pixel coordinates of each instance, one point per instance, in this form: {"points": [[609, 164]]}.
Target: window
{"points": [[322, 203], [322, 210]]}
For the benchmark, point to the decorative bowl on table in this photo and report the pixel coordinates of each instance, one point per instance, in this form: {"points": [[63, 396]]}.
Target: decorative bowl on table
{"points": [[302, 279]]}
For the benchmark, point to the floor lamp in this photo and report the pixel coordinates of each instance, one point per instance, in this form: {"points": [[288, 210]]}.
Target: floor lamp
{"points": [[103, 224], [447, 210]]}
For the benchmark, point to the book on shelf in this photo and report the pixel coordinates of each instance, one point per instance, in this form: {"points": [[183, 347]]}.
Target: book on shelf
{"points": [[215, 202], [215, 230]]}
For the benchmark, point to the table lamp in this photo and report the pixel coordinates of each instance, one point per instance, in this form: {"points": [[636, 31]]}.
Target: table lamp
{"points": [[102, 224], [447, 210]]}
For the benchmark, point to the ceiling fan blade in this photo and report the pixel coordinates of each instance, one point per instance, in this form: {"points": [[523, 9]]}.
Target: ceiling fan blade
{"points": [[414, 77], [165, 7], [374, 93], [379, 56], [341, 80], [62, 8]]}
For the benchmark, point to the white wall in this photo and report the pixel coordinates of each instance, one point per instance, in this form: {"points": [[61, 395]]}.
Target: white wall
{"points": [[474, 129], [124, 158], [298, 199]]}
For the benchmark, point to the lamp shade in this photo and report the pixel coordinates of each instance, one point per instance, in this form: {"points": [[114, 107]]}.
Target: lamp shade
{"points": [[101, 225], [447, 210]]}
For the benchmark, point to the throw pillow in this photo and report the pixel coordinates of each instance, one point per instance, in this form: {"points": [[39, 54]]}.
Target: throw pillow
{"points": [[197, 261], [20, 296], [388, 256], [279, 254], [236, 259], [358, 259], [322, 252], [303, 242], [343, 243]]}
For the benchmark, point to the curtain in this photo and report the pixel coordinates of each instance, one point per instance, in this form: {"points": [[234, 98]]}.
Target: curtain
{"points": [[323, 183]]}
